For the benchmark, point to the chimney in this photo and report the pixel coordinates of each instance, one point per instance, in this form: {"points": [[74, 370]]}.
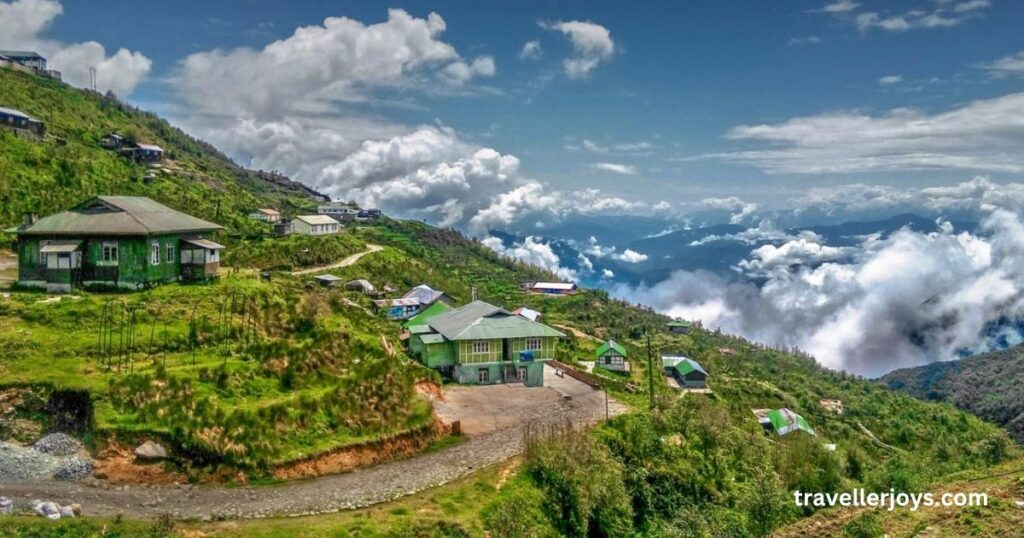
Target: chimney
{"points": [[28, 219]]}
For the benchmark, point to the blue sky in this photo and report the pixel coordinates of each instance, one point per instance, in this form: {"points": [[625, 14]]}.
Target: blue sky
{"points": [[651, 120]]}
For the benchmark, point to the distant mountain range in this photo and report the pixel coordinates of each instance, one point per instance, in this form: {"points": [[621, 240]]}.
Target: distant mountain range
{"points": [[987, 385]]}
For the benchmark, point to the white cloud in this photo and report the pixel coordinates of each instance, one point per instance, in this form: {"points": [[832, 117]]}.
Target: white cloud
{"points": [[905, 300], [841, 6], [939, 15], [739, 209], [531, 51], [592, 45], [981, 135], [1011, 65], [889, 80], [632, 256], [594, 147], [534, 251], [23, 21], [342, 60], [607, 274], [615, 168]]}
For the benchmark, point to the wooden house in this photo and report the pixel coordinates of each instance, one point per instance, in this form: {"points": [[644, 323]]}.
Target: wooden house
{"points": [[365, 214], [527, 313], [480, 343], [127, 242], [27, 58], [144, 153], [688, 373], [112, 141], [16, 119], [554, 288], [266, 214], [612, 355], [315, 225]]}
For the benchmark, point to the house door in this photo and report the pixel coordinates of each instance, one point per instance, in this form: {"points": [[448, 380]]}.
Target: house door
{"points": [[506, 350]]}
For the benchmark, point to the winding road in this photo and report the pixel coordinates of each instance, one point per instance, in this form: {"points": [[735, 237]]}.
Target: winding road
{"points": [[561, 400], [370, 249]]}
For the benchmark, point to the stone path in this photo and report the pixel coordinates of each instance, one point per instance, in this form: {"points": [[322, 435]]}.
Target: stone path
{"points": [[357, 489]]}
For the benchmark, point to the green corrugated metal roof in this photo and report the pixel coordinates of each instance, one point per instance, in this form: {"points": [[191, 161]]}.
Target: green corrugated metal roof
{"points": [[677, 323], [481, 321], [786, 421], [687, 365], [432, 338], [419, 329], [119, 215], [431, 311], [611, 344]]}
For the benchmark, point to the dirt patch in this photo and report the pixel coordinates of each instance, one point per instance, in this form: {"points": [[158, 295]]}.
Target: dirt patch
{"points": [[116, 464], [430, 389], [577, 333], [507, 471], [349, 458]]}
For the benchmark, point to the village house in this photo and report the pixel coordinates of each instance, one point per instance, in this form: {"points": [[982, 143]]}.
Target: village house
{"points": [[612, 355], [527, 313], [27, 58], [554, 288], [127, 242], [782, 421], [413, 302], [16, 119], [678, 326], [266, 214], [688, 373], [144, 153], [365, 214], [315, 225], [338, 211], [283, 228], [480, 343]]}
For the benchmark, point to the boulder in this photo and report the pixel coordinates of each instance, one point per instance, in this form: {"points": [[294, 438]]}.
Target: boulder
{"points": [[48, 510], [6, 506], [74, 468], [58, 444], [67, 511], [150, 451]]}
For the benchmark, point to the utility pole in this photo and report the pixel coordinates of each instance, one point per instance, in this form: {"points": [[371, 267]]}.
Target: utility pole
{"points": [[650, 367]]}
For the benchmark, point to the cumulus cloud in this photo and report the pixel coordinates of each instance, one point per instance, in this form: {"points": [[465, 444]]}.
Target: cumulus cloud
{"points": [[981, 135], [534, 251], [592, 45], [615, 168], [22, 23], [632, 256], [938, 14], [904, 300], [595, 249], [531, 51], [739, 209], [341, 60]]}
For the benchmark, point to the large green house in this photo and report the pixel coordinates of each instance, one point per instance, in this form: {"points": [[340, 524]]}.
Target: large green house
{"points": [[480, 343], [127, 242]]}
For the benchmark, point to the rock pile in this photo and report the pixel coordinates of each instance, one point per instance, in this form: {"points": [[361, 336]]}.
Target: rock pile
{"points": [[58, 444], [74, 468]]}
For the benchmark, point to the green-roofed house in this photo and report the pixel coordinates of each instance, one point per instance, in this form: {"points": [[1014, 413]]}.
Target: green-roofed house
{"points": [[784, 421], [127, 242], [686, 371], [480, 343], [612, 355], [678, 326]]}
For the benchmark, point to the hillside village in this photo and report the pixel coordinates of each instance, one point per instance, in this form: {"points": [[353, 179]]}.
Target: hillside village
{"points": [[197, 337]]}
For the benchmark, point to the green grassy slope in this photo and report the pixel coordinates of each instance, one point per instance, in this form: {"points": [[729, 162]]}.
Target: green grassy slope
{"points": [[69, 165]]}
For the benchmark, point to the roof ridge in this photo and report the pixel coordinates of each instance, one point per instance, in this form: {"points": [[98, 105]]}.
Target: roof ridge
{"points": [[125, 211]]}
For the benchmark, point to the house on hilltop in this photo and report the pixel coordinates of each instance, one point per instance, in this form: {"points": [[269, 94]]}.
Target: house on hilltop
{"points": [[315, 225], [128, 242], [413, 302], [338, 211], [112, 141], [480, 343], [783, 421], [145, 153], [554, 288], [678, 326], [26, 58], [612, 355]]}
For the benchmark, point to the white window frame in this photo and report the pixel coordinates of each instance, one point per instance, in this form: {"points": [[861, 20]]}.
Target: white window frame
{"points": [[169, 248], [109, 253], [483, 375], [480, 347], [521, 373], [534, 344], [154, 253]]}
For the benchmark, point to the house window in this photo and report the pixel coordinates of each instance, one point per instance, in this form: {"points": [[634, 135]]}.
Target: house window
{"points": [[481, 346], [483, 375], [533, 344], [42, 255], [521, 373], [110, 252], [170, 253], [154, 253]]}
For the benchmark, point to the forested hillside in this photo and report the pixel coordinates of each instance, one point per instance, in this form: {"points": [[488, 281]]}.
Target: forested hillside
{"points": [[987, 385]]}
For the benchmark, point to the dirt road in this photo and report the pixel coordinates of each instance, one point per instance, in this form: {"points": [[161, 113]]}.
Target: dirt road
{"points": [[370, 249], [494, 437]]}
